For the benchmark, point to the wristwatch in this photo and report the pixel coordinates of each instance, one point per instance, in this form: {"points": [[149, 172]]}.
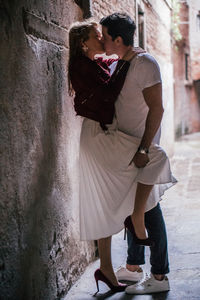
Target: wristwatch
{"points": [[143, 150]]}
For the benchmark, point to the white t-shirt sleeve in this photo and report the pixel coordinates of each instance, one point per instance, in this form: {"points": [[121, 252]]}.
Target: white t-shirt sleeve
{"points": [[147, 71]]}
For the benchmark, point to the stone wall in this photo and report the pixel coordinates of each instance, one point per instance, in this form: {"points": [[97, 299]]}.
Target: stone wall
{"points": [[40, 252]]}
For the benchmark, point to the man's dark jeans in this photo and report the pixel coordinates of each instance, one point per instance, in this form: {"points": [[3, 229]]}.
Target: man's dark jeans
{"points": [[155, 226]]}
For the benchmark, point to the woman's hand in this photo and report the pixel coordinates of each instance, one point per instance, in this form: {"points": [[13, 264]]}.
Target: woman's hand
{"points": [[129, 55], [139, 50]]}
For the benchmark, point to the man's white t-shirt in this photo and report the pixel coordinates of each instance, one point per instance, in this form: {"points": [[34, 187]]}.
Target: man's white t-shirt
{"points": [[130, 107]]}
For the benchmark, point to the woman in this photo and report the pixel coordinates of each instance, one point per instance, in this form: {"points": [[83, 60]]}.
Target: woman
{"points": [[108, 182]]}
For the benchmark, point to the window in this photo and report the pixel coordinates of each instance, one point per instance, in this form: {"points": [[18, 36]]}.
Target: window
{"points": [[141, 28], [198, 21], [186, 66]]}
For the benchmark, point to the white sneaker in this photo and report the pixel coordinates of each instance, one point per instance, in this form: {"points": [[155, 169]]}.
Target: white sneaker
{"points": [[126, 275], [149, 285]]}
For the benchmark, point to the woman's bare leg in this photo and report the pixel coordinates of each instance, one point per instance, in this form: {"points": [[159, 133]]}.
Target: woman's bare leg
{"points": [[142, 194], [104, 246]]}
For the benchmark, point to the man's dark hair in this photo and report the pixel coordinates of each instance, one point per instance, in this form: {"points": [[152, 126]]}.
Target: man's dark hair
{"points": [[120, 24]]}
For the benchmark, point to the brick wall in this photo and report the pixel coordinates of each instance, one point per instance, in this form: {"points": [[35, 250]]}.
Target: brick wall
{"points": [[195, 38], [106, 7], [158, 43], [187, 105]]}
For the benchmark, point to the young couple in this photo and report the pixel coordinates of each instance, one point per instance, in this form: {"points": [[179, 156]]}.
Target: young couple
{"points": [[123, 170]]}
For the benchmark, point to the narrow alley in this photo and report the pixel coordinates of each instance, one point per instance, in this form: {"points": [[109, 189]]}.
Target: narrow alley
{"points": [[41, 255], [181, 210]]}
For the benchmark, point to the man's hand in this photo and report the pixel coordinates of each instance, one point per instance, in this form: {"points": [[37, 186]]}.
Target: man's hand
{"points": [[140, 160], [132, 52]]}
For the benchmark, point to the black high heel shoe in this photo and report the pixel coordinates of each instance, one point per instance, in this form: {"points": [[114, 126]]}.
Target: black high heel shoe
{"points": [[98, 275], [128, 224]]}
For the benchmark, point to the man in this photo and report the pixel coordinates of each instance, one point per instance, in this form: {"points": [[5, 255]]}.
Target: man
{"points": [[139, 112]]}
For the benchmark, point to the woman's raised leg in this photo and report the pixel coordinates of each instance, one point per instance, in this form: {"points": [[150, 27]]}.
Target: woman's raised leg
{"points": [[142, 194]]}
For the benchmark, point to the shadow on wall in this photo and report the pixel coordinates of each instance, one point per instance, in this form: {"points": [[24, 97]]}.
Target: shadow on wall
{"points": [[197, 89]]}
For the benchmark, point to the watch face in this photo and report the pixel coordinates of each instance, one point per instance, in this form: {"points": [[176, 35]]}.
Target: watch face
{"points": [[142, 151]]}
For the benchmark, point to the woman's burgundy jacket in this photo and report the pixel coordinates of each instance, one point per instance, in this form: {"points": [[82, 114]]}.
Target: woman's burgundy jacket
{"points": [[95, 90]]}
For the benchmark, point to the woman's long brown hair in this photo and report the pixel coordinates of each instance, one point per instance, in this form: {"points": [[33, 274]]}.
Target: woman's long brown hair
{"points": [[79, 33]]}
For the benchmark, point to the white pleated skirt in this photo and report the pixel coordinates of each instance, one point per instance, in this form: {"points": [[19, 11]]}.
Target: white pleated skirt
{"points": [[108, 183]]}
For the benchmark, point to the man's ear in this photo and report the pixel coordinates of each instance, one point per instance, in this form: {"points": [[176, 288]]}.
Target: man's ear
{"points": [[119, 41]]}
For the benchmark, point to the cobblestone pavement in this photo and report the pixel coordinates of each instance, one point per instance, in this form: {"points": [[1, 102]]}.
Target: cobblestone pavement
{"points": [[181, 209]]}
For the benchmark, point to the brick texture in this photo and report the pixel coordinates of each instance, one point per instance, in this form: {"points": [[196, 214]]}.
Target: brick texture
{"points": [[187, 103]]}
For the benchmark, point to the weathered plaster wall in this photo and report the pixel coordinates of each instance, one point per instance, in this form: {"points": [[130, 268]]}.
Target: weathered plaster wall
{"points": [[40, 252]]}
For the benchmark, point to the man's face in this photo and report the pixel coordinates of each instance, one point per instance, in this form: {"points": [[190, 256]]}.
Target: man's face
{"points": [[109, 44]]}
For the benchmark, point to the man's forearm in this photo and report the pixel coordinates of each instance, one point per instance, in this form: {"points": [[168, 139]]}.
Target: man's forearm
{"points": [[153, 121]]}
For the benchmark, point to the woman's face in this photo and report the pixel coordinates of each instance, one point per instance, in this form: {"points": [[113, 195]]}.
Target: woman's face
{"points": [[94, 43]]}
